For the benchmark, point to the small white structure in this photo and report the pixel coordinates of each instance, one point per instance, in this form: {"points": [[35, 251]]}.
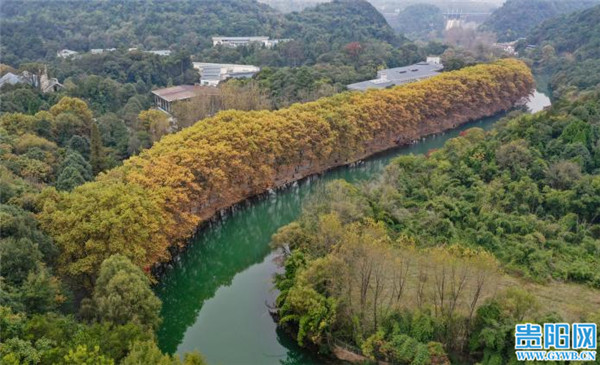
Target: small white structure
{"points": [[160, 52], [434, 60], [508, 47], [245, 41], [66, 53], [10, 79], [211, 74], [101, 50], [237, 41], [270, 43]]}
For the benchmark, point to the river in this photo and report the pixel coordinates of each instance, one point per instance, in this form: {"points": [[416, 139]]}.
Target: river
{"points": [[215, 294]]}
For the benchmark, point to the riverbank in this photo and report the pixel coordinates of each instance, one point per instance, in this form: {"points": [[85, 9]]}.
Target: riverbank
{"points": [[223, 278], [159, 198], [441, 250], [290, 175]]}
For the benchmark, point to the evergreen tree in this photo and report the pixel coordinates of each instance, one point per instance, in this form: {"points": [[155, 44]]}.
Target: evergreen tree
{"points": [[123, 294], [69, 178], [96, 150]]}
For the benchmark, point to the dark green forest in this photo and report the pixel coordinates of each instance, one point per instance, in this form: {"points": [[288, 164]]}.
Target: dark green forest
{"points": [[427, 263], [33, 33], [567, 52], [420, 21], [37, 30], [515, 18], [335, 44]]}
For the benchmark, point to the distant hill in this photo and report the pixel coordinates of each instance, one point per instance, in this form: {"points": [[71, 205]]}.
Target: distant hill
{"points": [[341, 21], [516, 18], [568, 50], [287, 6], [577, 33], [33, 31], [418, 21]]}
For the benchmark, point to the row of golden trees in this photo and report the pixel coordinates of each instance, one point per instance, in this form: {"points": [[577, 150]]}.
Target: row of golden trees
{"points": [[158, 198]]}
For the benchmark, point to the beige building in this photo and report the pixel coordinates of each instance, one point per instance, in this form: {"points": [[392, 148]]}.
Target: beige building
{"points": [[165, 98]]}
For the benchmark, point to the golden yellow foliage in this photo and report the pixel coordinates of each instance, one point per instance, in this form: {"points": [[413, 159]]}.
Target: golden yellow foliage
{"points": [[226, 158]]}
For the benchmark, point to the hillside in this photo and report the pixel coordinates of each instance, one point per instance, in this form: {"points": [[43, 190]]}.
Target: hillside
{"points": [[419, 21], [577, 33], [33, 33], [339, 22], [444, 253], [568, 51], [331, 46], [516, 18]]}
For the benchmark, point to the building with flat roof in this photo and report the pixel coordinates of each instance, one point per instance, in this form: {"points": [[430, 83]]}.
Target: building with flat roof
{"points": [[245, 41], [211, 74], [401, 75], [237, 41], [165, 98]]}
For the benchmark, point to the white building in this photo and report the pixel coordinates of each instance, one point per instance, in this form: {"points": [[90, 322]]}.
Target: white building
{"points": [[245, 41], [434, 60], [160, 52], [66, 53], [237, 41], [211, 74], [101, 50]]}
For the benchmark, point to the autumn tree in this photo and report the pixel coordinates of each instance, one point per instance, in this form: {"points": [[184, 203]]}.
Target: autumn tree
{"points": [[103, 218], [155, 122], [187, 176]]}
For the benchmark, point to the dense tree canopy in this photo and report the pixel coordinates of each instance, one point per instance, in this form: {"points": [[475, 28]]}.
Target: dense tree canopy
{"points": [[37, 32], [159, 198], [515, 18], [411, 267], [420, 21], [568, 51], [122, 294]]}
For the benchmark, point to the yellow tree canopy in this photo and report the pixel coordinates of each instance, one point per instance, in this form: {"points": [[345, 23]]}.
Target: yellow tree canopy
{"points": [[159, 197]]}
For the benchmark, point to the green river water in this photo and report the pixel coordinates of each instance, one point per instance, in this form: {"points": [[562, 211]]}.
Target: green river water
{"points": [[215, 294]]}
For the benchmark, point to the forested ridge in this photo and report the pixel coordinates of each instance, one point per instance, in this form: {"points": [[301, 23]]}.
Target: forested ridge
{"points": [[441, 256], [567, 52], [36, 32], [157, 199], [330, 46], [419, 21], [515, 18]]}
